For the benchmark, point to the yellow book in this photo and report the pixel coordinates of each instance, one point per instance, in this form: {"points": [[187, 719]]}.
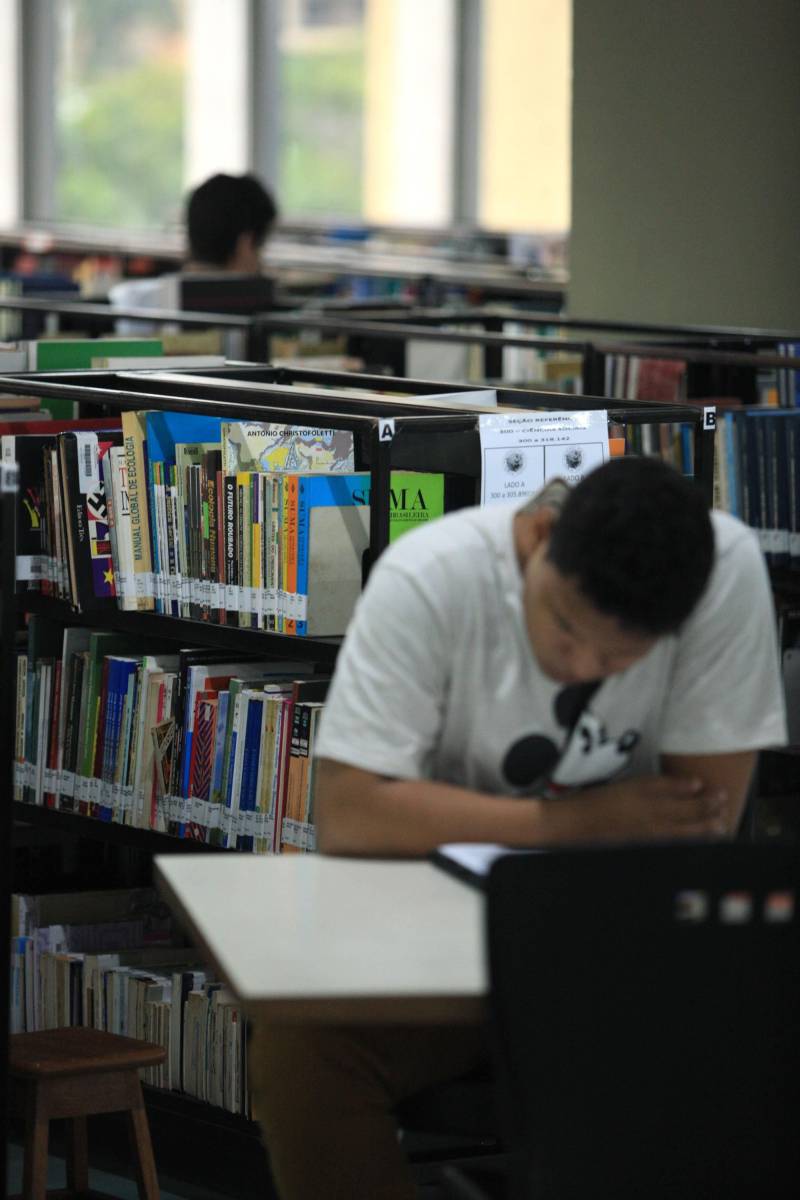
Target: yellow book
{"points": [[133, 441]]}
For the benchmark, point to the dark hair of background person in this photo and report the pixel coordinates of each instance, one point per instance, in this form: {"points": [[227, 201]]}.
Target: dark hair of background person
{"points": [[637, 538], [220, 210]]}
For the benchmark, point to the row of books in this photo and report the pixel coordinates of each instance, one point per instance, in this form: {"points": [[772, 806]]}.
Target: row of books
{"points": [[188, 743], [634, 377], [259, 525], [109, 353], [670, 440], [757, 456], [160, 993]]}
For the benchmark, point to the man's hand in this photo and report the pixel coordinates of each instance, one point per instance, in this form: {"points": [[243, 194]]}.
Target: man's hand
{"points": [[359, 812], [643, 808]]}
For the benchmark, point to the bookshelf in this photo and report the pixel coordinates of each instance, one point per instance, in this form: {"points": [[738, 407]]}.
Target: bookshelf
{"points": [[306, 264], [424, 436], [718, 361]]}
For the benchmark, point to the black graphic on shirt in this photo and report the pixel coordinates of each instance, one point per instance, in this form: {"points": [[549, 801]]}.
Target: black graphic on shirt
{"points": [[589, 756]]}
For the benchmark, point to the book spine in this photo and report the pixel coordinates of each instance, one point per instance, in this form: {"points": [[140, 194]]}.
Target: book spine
{"points": [[291, 483], [231, 537], [243, 544], [50, 792], [128, 599], [133, 436]]}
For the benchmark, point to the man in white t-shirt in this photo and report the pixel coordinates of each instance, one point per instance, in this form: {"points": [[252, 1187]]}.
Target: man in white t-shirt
{"points": [[228, 219], [600, 665]]}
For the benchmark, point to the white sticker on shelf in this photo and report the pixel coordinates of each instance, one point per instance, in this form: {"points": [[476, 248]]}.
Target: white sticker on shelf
{"points": [[30, 567], [88, 462]]}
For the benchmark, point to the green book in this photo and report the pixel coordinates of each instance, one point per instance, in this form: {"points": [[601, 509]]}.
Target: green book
{"points": [[76, 354], [416, 497], [101, 644]]}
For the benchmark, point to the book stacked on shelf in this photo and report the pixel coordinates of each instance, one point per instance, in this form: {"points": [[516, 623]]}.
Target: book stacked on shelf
{"points": [[756, 477], [190, 743], [108, 960], [641, 377], [258, 525], [108, 353]]}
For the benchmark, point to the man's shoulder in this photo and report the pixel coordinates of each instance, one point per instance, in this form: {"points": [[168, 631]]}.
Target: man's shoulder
{"points": [[732, 538]]}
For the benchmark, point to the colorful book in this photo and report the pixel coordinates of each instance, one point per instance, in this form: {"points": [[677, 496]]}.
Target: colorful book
{"points": [[260, 446]]}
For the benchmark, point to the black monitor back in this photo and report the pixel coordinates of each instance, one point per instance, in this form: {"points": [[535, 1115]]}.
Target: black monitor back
{"points": [[645, 1010], [226, 292]]}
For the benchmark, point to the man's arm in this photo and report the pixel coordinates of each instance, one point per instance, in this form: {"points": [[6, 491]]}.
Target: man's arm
{"points": [[729, 773], [358, 812]]}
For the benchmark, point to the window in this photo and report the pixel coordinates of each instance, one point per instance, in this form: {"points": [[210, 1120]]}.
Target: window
{"points": [[119, 111], [320, 105], [129, 103], [524, 126], [415, 113]]}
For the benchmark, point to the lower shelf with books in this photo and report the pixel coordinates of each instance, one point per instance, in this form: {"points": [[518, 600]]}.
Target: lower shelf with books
{"points": [[114, 962], [193, 743]]}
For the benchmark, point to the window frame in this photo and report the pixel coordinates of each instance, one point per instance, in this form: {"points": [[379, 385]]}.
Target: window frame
{"points": [[37, 164]]}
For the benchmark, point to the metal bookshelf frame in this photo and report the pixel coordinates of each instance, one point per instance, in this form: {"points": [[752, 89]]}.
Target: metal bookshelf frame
{"points": [[390, 431]]}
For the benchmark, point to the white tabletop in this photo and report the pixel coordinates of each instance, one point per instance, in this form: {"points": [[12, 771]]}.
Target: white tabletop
{"points": [[311, 938]]}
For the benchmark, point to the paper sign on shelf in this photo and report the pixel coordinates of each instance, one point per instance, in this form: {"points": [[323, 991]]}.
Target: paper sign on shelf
{"points": [[521, 451]]}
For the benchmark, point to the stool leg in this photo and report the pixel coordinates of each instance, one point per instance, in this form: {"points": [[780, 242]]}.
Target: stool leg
{"points": [[77, 1156], [146, 1177], [37, 1127]]}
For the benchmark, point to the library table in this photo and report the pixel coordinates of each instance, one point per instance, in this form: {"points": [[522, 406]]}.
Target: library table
{"points": [[307, 938]]}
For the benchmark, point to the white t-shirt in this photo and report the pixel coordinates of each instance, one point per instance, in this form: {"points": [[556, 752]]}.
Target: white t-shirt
{"points": [[163, 291], [437, 679]]}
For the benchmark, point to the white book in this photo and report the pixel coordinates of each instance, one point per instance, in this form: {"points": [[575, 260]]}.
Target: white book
{"points": [[123, 548], [337, 539], [154, 362]]}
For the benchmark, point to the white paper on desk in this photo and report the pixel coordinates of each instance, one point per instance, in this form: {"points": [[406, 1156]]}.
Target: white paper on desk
{"points": [[476, 858], [521, 451]]}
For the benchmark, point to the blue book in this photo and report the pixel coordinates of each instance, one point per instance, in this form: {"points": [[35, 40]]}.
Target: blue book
{"points": [[734, 482], [250, 758], [120, 672], [687, 449], [741, 426], [110, 701]]}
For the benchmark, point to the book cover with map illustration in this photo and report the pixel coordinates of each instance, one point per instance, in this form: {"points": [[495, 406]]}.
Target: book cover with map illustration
{"points": [[256, 446]]}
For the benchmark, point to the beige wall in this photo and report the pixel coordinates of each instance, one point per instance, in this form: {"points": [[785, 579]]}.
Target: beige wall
{"points": [[525, 115], [686, 161]]}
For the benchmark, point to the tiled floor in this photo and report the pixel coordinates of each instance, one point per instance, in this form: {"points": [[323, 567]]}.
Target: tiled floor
{"points": [[125, 1189], [103, 1181]]}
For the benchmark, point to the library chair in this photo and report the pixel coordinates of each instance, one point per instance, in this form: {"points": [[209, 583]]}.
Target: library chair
{"points": [[76, 1073], [644, 1021]]}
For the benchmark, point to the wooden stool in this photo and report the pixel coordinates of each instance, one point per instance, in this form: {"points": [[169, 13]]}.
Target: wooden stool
{"points": [[76, 1073]]}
